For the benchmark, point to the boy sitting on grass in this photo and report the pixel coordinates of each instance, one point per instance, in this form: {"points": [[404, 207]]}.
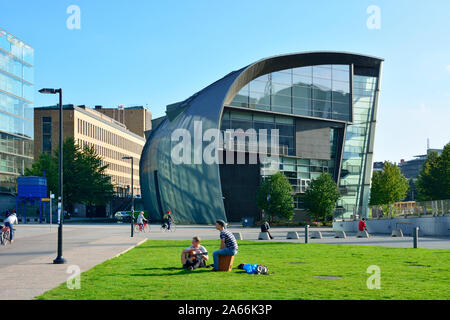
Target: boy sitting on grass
{"points": [[194, 256]]}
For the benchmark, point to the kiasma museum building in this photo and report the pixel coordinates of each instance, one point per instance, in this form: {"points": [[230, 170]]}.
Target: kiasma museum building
{"points": [[323, 106]]}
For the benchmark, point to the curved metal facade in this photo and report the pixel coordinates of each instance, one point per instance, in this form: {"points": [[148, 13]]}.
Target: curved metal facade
{"points": [[193, 192]]}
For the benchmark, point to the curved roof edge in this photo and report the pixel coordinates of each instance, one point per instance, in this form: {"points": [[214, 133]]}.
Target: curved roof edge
{"points": [[295, 60]]}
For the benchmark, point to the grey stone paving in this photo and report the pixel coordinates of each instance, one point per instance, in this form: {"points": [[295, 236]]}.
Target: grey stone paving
{"points": [[26, 268]]}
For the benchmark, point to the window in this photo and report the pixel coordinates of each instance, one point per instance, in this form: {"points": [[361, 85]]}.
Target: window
{"points": [[46, 134], [292, 91]]}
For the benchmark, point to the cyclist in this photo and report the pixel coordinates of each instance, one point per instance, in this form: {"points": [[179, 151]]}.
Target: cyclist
{"points": [[10, 220], [140, 220], [168, 219]]}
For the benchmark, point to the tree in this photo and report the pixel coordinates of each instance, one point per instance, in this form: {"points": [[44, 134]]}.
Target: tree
{"points": [[281, 202], [321, 197], [84, 175], [433, 182], [388, 186], [45, 166]]}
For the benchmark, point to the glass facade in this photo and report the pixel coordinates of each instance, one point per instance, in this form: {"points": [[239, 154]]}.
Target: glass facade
{"points": [[253, 120], [299, 171], [16, 109], [354, 190], [321, 91]]}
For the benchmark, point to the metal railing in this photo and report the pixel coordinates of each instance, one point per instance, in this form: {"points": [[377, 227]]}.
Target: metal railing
{"points": [[433, 208]]}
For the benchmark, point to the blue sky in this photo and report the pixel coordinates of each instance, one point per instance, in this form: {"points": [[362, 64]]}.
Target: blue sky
{"points": [[153, 53]]}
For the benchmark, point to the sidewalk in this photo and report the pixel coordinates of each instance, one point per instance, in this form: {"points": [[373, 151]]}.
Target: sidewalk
{"points": [[28, 279]]}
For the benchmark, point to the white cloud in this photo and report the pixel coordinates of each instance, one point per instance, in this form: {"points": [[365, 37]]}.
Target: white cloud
{"points": [[447, 68]]}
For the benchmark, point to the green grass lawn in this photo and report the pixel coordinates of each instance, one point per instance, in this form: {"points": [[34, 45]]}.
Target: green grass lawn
{"points": [[152, 271]]}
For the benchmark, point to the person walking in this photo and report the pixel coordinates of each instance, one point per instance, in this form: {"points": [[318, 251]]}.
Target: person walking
{"points": [[228, 244]]}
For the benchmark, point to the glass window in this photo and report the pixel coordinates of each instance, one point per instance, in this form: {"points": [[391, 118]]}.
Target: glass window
{"points": [[259, 86], [305, 71], [286, 130], [322, 109], [323, 71], [341, 75], [283, 89], [323, 84], [322, 94], [282, 101], [341, 111], [302, 106], [240, 124], [301, 80], [301, 92], [263, 117], [242, 98], [284, 120], [241, 115], [46, 143], [259, 101], [282, 77], [303, 169], [46, 128]]}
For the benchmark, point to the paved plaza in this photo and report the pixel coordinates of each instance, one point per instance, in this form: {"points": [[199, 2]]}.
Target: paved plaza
{"points": [[27, 271]]}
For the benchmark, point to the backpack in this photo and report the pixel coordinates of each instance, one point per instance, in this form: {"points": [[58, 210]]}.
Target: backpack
{"points": [[254, 268]]}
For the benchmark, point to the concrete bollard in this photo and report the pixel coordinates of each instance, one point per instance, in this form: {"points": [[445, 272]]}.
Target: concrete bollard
{"points": [[362, 234], [292, 235], [316, 235], [397, 233], [238, 236], [340, 234], [263, 236]]}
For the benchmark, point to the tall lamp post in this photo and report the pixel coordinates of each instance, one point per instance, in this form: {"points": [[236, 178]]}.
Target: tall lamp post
{"points": [[132, 194], [59, 259]]}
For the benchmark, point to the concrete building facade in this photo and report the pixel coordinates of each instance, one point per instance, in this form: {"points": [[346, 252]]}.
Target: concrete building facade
{"points": [[111, 140], [137, 119]]}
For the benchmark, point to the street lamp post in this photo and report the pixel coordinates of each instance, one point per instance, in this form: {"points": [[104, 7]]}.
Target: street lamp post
{"points": [[132, 194], [59, 259]]}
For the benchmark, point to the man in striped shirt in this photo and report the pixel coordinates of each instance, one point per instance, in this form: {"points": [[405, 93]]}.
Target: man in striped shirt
{"points": [[228, 244]]}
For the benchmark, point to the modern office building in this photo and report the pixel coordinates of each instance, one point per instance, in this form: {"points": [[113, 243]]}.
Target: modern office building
{"points": [[378, 166], [324, 105], [16, 109], [411, 169], [111, 140]]}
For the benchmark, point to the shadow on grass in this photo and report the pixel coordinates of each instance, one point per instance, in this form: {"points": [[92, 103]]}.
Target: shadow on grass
{"points": [[162, 246], [179, 273]]}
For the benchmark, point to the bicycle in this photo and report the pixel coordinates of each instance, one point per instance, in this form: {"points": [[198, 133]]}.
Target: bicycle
{"points": [[144, 228], [165, 227], [5, 236]]}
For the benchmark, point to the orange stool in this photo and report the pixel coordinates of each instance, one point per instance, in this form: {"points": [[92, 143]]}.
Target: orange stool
{"points": [[226, 263]]}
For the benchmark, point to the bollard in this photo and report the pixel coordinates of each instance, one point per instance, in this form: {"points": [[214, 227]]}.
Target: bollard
{"points": [[416, 236], [306, 233]]}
